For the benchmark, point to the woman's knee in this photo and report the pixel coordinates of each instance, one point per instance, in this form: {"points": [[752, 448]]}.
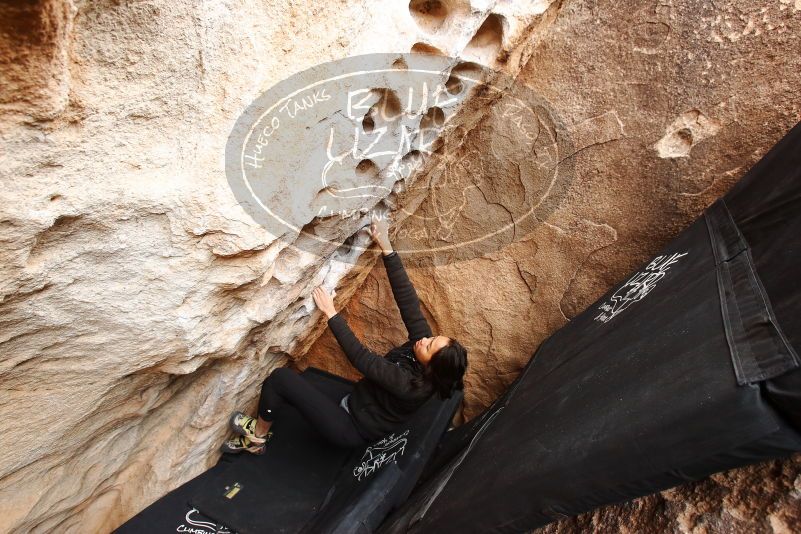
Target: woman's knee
{"points": [[283, 373], [279, 374], [280, 379]]}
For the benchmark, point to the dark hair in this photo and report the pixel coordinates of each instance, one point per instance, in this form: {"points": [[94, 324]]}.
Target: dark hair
{"points": [[446, 369]]}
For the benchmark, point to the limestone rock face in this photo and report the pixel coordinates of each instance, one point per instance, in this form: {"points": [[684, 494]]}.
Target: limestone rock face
{"points": [[666, 105], [139, 303]]}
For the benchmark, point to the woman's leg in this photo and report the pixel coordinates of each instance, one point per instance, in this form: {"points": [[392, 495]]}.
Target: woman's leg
{"points": [[327, 416]]}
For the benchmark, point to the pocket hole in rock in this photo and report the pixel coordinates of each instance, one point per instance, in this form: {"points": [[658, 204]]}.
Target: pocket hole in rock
{"points": [[468, 72], [386, 109], [400, 64], [412, 161], [425, 48], [433, 119], [368, 124], [454, 85], [487, 42], [367, 168], [467, 75], [430, 15]]}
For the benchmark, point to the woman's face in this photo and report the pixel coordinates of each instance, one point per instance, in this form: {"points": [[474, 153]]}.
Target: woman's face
{"points": [[426, 347]]}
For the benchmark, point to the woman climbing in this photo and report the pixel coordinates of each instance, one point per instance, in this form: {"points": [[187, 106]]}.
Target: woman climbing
{"points": [[393, 387]]}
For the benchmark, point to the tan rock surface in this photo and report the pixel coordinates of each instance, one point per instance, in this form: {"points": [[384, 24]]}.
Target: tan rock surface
{"points": [[667, 106], [139, 304]]}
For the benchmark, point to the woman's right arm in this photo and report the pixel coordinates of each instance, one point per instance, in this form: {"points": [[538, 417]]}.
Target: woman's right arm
{"points": [[387, 374]]}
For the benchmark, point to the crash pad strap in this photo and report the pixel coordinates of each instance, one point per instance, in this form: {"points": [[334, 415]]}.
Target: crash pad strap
{"points": [[759, 350]]}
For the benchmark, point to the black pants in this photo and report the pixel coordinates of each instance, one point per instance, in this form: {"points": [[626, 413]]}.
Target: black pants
{"points": [[327, 416]]}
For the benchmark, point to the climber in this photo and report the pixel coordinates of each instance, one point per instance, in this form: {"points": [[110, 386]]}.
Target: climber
{"points": [[393, 387]]}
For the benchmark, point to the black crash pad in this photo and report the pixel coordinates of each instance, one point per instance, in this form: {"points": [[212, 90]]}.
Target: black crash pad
{"points": [[379, 477], [302, 483], [172, 513], [689, 366], [280, 490]]}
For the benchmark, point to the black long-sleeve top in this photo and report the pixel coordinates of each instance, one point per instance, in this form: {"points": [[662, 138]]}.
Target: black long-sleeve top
{"points": [[385, 397]]}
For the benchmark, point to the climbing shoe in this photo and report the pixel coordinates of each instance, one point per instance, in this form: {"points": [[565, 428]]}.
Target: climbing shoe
{"points": [[244, 425], [238, 444]]}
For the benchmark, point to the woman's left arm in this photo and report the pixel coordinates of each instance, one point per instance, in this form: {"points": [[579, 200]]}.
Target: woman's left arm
{"points": [[387, 374], [402, 289]]}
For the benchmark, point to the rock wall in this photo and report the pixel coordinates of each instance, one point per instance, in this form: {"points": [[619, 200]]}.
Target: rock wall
{"points": [[139, 304], [668, 104]]}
